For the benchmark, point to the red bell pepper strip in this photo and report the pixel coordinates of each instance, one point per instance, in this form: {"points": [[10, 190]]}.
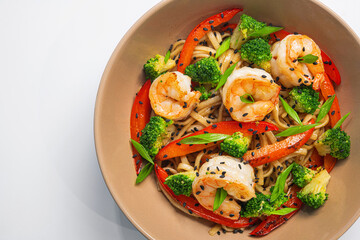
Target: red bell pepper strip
{"points": [[193, 206], [329, 66], [331, 69], [329, 162], [274, 221], [277, 150], [327, 90], [198, 32], [175, 149], [140, 116], [278, 36], [315, 160], [229, 27]]}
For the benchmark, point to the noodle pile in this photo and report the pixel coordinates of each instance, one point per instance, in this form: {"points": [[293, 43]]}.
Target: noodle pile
{"points": [[212, 110]]}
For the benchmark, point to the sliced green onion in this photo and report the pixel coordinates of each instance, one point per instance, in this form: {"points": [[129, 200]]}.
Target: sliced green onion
{"points": [[296, 130], [265, 31], [225, 45], [145, 171], [225, 76], [308, 58], [204, 138], [280, 183], [245, 98], [340, 122], [219, 198], [292, 113], [142, 151], [167, 56], [283, 211], [325, 108]]}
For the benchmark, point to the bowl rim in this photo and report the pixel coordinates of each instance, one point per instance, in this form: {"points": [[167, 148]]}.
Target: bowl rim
{"points": [[100, 93]]}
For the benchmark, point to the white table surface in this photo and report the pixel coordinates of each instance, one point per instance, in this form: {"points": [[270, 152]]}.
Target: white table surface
{"points": [[52, 56]]}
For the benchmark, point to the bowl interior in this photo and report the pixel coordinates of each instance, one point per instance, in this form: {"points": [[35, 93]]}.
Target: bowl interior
{"points": [[147, 208]]}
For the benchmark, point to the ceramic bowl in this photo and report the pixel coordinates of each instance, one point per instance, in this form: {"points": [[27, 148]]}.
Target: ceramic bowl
{"points": [[146, 207]]}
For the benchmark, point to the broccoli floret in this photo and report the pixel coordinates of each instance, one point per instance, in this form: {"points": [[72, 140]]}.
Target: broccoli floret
{"points": [[257, 51], [261, 205], [304, 99], [334, 142], [154, 133], [205, 71], [156, 66], [246, 26], [302, 175], [280, 200], [181, 183], [314, 194], [249, 25], [257, 206], [205, 94], [236, 145]]}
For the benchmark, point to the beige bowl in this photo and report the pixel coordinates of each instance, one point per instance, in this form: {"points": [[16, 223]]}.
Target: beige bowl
{"points": [[147, 208]]}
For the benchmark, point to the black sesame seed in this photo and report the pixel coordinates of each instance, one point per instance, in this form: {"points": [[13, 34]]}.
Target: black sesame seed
{"points": [[140, 102], [214, 126], [303, 49], [231, 215], [184, 204], [306, 81], [291, 69], [165, 156], [294, 61], [250, 129], [263, 76], [211, 21], [195, 39], [315, 63], [185, 105], [137, 162], [202, 187], [240, 125], [222, 15], [222, 176], [198, 192], [277, 78], [252, 153], [235, 51], [245, 114], [255, 132], [197, 174], [205, 29], [299, 80], [136, 115], [266, 128], [134, 156], [296, 33], [221, 212], [190, 211], [231, 109], [332, 113], [239, 165], [138, 134]]}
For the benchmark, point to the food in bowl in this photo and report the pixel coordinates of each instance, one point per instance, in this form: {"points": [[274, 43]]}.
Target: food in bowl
{"points": [[241, 124]]}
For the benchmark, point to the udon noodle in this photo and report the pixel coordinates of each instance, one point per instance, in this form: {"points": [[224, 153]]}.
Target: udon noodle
{"points": [[212, 110]]}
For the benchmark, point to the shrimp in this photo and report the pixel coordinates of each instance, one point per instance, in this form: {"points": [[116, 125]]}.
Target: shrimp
{"points": [[230, 174], [171, 96], [256, 82], [286, 67]]}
